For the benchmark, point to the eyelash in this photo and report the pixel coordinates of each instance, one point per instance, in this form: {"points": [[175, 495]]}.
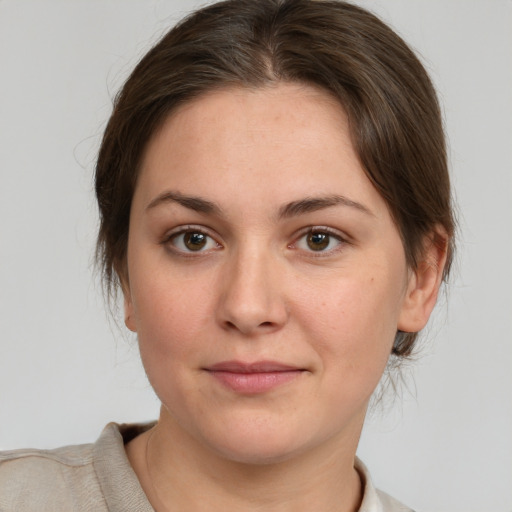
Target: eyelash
{"points": [[323, 230], [193, 230], [308, 231]]}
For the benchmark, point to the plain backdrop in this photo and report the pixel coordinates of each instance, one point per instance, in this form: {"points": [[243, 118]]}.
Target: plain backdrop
{"points": [[66, 369]]}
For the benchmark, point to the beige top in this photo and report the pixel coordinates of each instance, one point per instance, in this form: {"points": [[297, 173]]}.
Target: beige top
{"points": [[98, 477]]}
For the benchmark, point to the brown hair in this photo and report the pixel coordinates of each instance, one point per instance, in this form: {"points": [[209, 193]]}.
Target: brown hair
{"points": [[391, 104]]}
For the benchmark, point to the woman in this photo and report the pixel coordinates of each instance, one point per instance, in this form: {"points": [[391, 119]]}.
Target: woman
{"points": [[275, 207]]}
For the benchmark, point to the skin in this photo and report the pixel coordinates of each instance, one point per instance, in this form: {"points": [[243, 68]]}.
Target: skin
{"points": [[241, 167]]}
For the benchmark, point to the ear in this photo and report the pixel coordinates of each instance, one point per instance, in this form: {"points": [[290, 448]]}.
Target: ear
{"points": [[129, 314], [424, 283], [129, 317]]}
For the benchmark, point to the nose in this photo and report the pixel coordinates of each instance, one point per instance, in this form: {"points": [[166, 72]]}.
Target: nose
{"points": [[252, 300]]}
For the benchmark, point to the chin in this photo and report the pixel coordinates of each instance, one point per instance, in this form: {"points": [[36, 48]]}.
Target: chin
{"points": [[260, 446], [258, 454]]}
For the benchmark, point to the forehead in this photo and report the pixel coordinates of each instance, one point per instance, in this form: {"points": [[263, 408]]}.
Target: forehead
{"points": [[285, 140], [260, 112]]}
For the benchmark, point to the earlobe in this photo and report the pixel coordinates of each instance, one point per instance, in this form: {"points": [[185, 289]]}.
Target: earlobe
{"points": [[128, 312], [124, 281], [424, 283], [128, 304]]}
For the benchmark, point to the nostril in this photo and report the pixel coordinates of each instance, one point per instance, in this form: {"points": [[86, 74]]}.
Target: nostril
{"points": [[247, 329]]}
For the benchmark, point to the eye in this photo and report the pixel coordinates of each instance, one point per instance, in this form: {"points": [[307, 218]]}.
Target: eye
{"points": [[318, 240], [192, 240]]}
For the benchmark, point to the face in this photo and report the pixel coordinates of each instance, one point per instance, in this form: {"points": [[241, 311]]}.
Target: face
{"points": [[266, 278]]}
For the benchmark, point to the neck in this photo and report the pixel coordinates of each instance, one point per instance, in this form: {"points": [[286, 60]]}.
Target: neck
{"points": [[172, 468]]}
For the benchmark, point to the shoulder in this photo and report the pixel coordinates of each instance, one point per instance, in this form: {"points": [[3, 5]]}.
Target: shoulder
{"points": [[94, 476], [374, 500], [389, 504], [56, 480]]}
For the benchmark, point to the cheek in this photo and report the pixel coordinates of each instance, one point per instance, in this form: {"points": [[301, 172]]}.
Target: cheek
{"points": [[170, 331], [173, 317], [167, 301], [353, 320]]}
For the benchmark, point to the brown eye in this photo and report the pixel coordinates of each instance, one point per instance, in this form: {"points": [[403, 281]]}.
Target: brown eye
{"points": [[194, 241], [318, 241]]}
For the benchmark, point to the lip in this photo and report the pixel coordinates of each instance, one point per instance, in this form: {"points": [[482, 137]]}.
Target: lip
{"points": [[253, 378]]}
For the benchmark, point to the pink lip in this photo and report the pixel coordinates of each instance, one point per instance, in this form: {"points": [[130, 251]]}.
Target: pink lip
{"points": [[253, 378]]}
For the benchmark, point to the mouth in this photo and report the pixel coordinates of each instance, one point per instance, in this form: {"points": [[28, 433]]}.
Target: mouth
{"points": [[253, 378]]}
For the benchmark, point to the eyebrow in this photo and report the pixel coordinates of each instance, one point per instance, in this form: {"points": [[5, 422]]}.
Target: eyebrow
{"points": [[292, 209], [191, 202], [313, 204]]}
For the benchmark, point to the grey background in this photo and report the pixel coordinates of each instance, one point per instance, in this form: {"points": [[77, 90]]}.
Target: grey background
{"points": [[66, 370]]}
